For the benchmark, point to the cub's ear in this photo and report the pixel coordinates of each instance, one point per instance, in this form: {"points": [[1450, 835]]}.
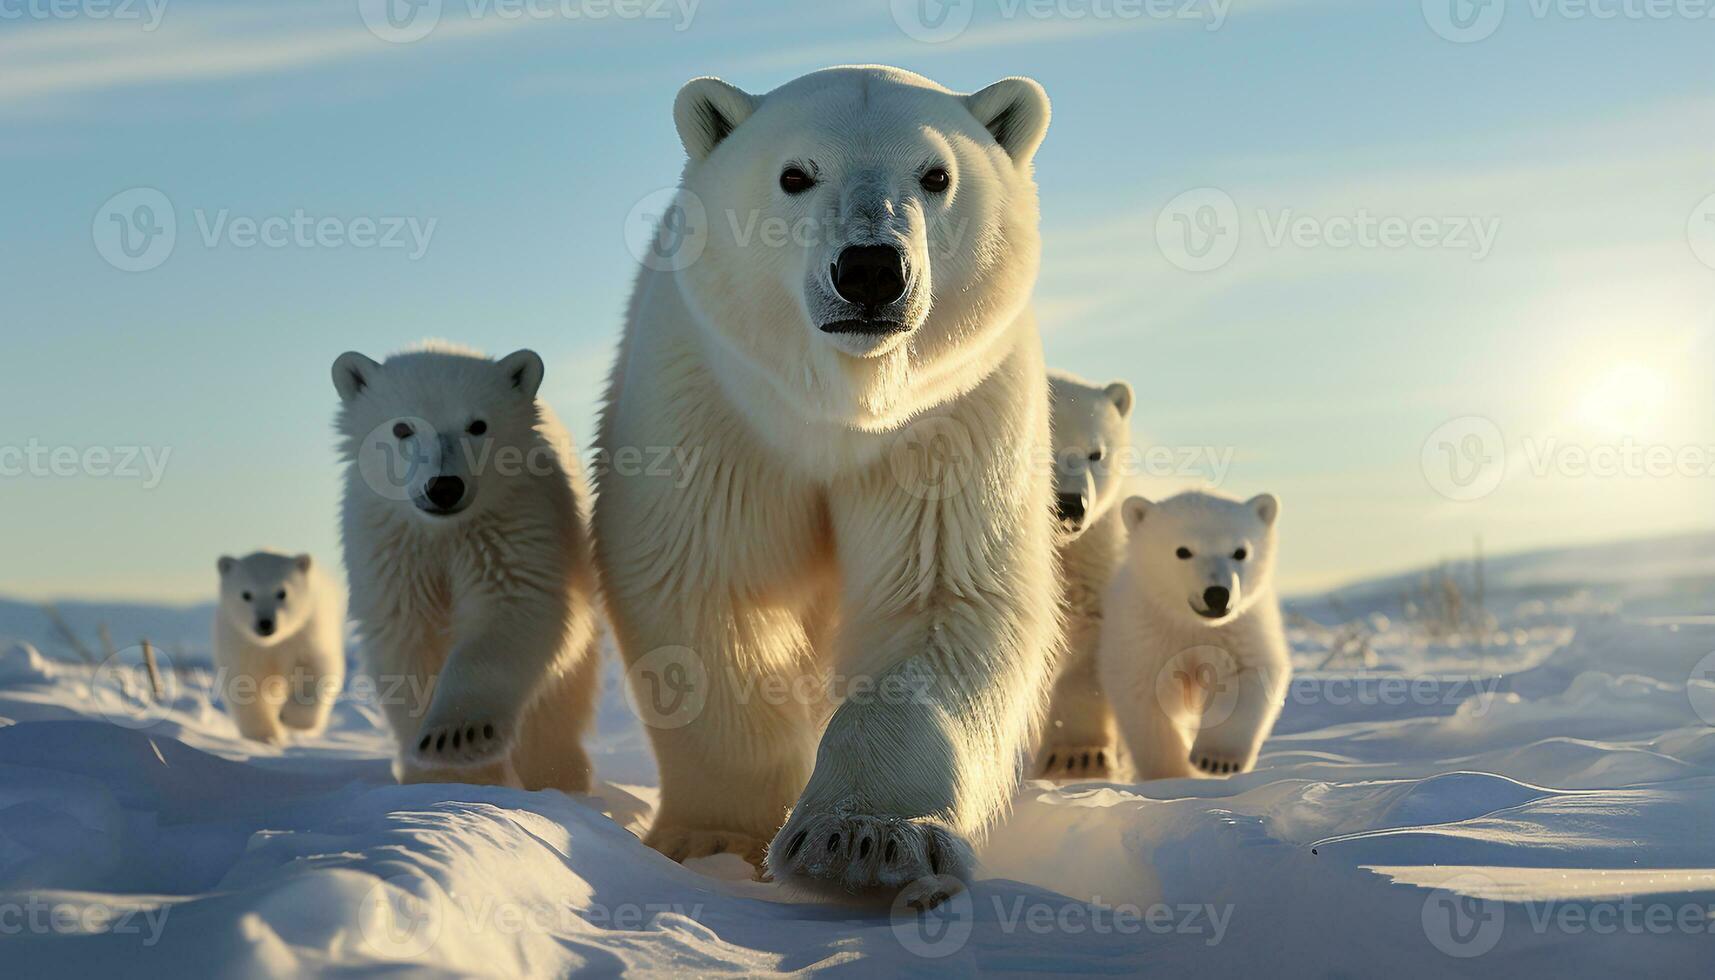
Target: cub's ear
{"points": [[352, 373], [706, 111], [1265, 506], [1015, 111], [1120, 394], [303, 562], [1133, 511], [524, 370], [225, 564]]}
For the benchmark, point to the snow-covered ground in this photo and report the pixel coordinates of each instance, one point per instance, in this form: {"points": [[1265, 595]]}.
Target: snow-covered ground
{"points": [[1542, 802]]}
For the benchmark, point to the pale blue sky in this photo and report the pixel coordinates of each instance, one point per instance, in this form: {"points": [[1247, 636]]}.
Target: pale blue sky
{"points": [[1587, 146]]}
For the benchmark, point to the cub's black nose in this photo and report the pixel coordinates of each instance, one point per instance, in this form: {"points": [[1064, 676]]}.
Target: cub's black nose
{"points": [[1216, 598], [444, 492], [265, 627], [1070, 508], [870, 275]]}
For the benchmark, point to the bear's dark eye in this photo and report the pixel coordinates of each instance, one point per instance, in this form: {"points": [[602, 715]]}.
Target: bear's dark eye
{"points": [[1241, 555], [248, 597], [280, 595], [1097, 455], [1184, 554], [402, 430], [935, 180], [793, 180], [478, 427]]}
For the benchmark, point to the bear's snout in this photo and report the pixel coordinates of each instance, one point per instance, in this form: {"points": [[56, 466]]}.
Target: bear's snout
{"points": [[1070, 508], [444, 493], [1215, 598], [264, 627], [870, 276]]}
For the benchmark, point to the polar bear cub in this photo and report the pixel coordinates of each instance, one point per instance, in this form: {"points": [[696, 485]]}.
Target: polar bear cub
{"points": [[466, 538], [1193, 655], [279, 644], [1092, 441]]}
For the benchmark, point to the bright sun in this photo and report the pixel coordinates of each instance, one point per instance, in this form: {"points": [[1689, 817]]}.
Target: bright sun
{"points": [[1627, 398]]}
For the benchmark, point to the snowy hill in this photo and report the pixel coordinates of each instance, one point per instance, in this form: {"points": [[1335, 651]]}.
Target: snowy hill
{"points": [[1539, 798]]}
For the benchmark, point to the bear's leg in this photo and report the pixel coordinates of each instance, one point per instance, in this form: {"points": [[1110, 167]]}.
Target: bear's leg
{"points": [[1078, 740], [732, 721], [948, 617], [254, 700], [550, 752], [1154, 738], [309, 698], [1236, 720]]}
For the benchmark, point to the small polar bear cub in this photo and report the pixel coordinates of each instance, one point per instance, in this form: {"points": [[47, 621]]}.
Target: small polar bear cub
{"points": [[1092, 440], [1193, 655], [465, 527], [279, 643]]}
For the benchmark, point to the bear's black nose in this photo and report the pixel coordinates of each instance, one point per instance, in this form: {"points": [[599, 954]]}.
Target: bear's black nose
{"points": [[444, 492], [870, 275], [1070, 507], [265, 627], [1216, 598]]}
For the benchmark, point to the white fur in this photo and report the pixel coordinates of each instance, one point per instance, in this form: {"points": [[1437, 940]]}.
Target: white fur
{"points": [[478, 626], [805, 541], [1194, 694], [286, 680], [1092, 436]]}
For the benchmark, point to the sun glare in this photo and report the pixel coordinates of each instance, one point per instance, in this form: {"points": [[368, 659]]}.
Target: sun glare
{"points": [[1625, 399]]}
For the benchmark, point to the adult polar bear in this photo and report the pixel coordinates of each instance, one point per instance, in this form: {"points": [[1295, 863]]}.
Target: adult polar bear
{"points": [[867, 395]]}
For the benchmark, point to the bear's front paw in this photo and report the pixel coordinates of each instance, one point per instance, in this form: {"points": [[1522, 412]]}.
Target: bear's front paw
{"points": [[1062, 762], [856, 853], [463, 743], [1215, 757]]}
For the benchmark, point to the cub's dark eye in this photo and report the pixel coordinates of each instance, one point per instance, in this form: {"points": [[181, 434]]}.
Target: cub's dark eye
{"points": [[402, 430], [935, 180], [793, 180], [1096, 456], [248, 597], [280, 595], [1241, 555], [1184, 554], [477, 428]]}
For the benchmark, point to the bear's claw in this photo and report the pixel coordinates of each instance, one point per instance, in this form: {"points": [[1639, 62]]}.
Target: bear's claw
{"points": [[856, 853], [462, 744], [1076, 762]]}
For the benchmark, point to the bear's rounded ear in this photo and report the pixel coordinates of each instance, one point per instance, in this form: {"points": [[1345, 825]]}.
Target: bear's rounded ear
{"points": [[523, 370], [1265, 506], [706, 111], [225, 564], [303, 562], [1133, 511], [352, 373], [1014, 111], [1120, 394]]}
